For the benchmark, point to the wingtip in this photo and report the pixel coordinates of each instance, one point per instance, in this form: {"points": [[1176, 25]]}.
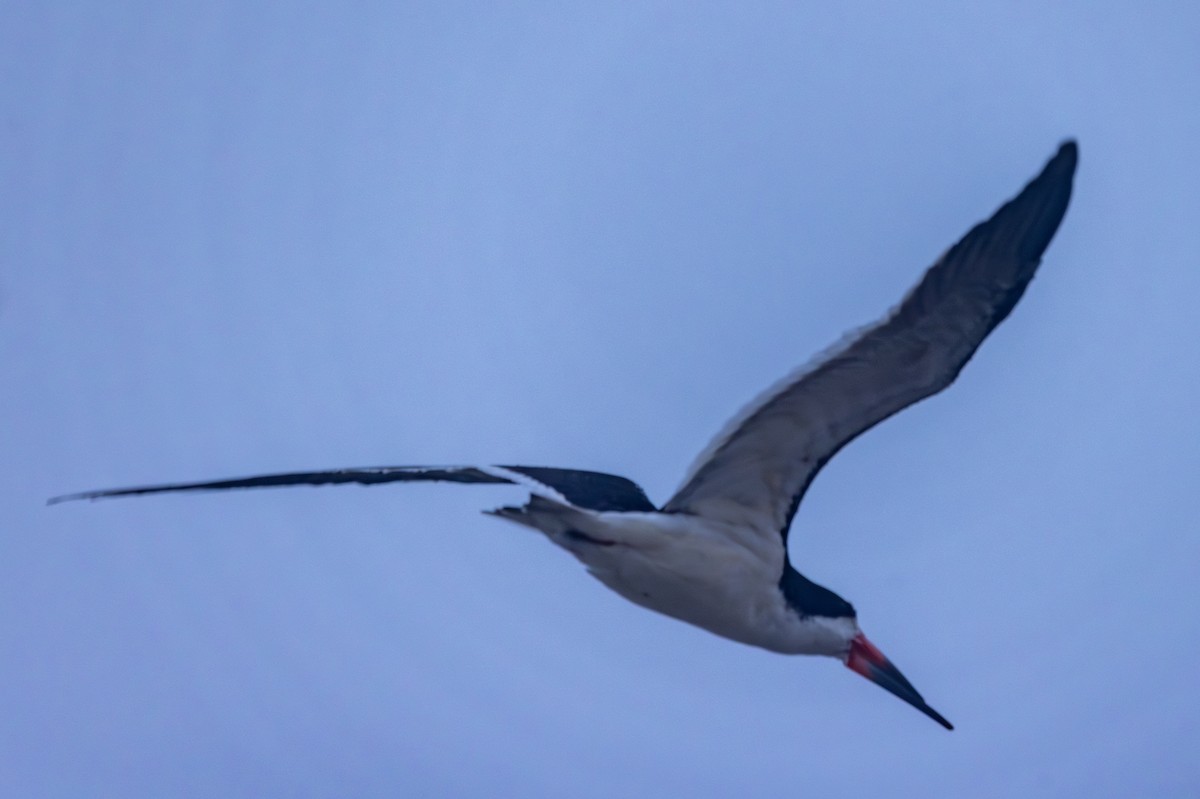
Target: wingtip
{"points": [[1068, 154], [68, 498]]}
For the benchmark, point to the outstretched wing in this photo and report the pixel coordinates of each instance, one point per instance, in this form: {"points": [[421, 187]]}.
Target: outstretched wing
{"points": [[583, 489], [758, 469]]}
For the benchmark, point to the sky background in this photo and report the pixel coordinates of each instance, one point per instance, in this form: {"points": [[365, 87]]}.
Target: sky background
{"points": [[251, 237]]}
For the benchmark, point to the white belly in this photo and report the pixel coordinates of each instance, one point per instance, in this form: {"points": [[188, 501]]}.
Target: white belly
{"points": [[726, 584]]}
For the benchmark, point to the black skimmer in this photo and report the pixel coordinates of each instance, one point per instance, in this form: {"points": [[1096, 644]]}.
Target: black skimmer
{"points": [[715, 555]]}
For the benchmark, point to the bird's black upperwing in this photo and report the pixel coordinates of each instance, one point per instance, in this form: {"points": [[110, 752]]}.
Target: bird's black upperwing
{"points": [[591, 490], [584, 489], [758, 468]]}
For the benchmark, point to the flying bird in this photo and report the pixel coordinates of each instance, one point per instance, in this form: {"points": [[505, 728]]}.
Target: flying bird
{"points": [[715, 554]]}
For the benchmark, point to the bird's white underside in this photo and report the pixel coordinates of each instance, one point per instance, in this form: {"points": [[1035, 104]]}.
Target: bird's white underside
{"points": [[720, 577]]}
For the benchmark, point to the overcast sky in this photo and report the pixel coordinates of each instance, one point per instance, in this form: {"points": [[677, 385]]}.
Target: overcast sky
{"points": [[254, 237]]}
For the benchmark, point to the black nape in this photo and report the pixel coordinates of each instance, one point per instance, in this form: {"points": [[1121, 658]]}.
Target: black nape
{"points": [[809, 599]]}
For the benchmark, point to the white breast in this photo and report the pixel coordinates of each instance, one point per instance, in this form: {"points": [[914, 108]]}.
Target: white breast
{"points": [[722, 580]]}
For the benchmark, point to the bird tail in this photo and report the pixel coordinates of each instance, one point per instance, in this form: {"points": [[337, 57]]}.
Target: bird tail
{"points": [[540, 513]]}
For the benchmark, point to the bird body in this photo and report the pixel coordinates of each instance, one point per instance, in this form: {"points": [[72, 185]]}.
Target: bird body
{"points": [[718, 576], [715, 554]]}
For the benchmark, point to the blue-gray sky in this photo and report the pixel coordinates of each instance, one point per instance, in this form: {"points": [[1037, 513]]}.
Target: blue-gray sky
{"points": [[251, 237]]}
